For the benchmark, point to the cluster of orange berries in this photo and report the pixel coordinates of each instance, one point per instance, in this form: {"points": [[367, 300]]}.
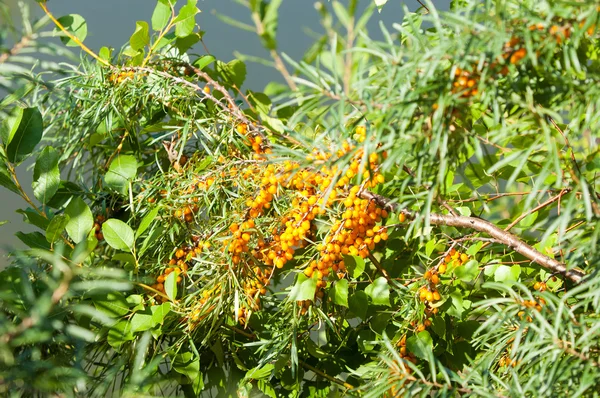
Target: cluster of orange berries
{"points": [[240, 239], [404, 354], [98, 226], [255, 141], [454, 258], [465, 82], [119, 77], [187, 213], [180, 263], [505, 360]]}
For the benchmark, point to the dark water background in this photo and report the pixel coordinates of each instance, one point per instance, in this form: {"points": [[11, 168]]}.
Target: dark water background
{"points": [[111, 23]]}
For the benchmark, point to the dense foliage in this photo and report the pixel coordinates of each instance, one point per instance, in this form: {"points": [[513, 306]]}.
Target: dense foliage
{"points": [[412, 216]]}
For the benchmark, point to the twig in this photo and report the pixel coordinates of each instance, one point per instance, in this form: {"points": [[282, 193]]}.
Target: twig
{"points": [[71, 36], [377, 265], [481, 225], [537, 208], [325, 375], [16, 49]]}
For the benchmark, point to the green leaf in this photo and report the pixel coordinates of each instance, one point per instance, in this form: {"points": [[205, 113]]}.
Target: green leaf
{"points": [[421, 345], [81, 219], [34, 240], [505, 273], [186, 20], [355, 265], [114, 304], [141, 37], [10, 125], [380, 4], [122, 169], [359, 303], [119, 334], [159, 312], [23, 131], [260, 372], [74, 24], [56, 227], [232, 73], [141, 321], [304, 288], [34, 218], [260, 101], [186, 364], [171, 286], [147, 221], [270, 22], [118, 234], [204, 61], [46, 175], [528, 220], [340, 292], [379, 291], [5, 179], [467, 272], [161, 14]]}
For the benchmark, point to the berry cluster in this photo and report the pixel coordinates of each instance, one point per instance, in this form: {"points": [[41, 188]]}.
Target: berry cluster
{"points": [[98, 227]]}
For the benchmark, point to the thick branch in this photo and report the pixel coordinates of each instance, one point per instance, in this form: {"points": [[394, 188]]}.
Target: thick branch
{"points": [[490, 229]]}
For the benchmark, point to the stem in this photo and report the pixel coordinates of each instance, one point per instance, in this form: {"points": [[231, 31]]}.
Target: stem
{"points": [[481, 225], [325, 375], [71, 36]]}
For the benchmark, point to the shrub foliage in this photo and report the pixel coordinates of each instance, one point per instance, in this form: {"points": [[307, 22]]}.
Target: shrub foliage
{"points": [[416, 215]]}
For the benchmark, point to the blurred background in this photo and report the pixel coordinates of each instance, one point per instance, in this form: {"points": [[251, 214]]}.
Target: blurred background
{"points": [[111, 23]]}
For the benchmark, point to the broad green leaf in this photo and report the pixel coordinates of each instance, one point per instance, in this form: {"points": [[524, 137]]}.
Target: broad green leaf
{"points": [[204, 61], [467, 272], [186, 20], [528, 221], [114, 304], [188, 365], [10, 125], [171, 286], [34, 218], [118, 234], [141, 37], [147, 221], [56, 227], [340, 292], [506, 273], [141, 321], [119, 334], [421, 345], [359, 303], [159, 312], [23, 131], [34, 240], [304, 288], [232, 73], [81, 219], [5, 179], [162, 14], [121, 170], [74, 24], [46, 175], [379, 291], [355, 265]]}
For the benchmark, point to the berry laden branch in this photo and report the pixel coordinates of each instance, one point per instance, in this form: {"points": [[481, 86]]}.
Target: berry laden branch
{"points": [[488, 228]]}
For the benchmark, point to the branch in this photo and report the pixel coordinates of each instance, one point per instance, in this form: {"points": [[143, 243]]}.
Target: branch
{"points": [[490, 229]]}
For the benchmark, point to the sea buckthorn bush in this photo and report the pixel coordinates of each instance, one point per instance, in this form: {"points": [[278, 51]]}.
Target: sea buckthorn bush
{"points": [[416, 215]]}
